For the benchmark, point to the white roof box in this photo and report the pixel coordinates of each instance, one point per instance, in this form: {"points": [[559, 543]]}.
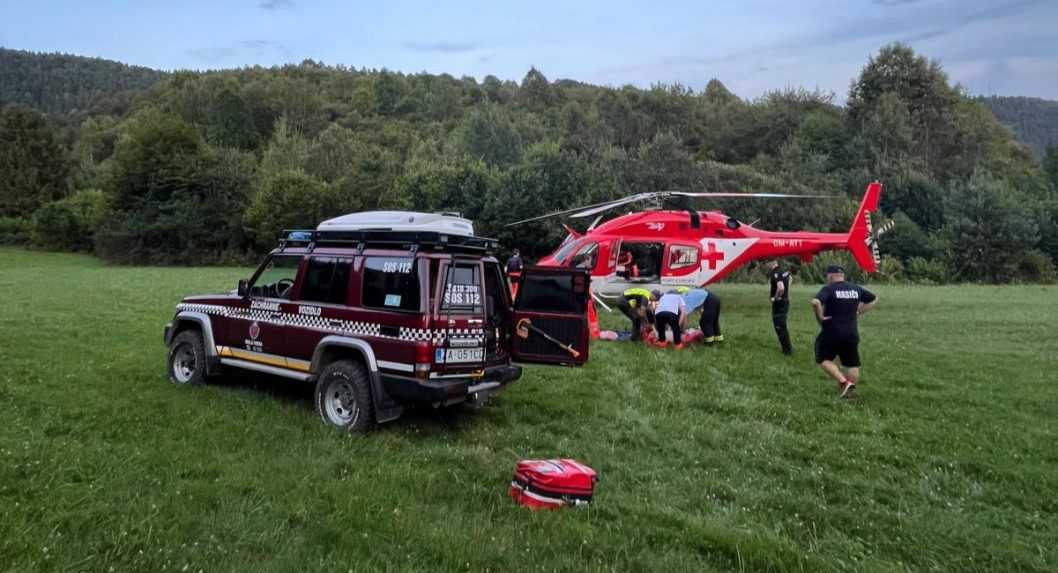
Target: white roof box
{"points": [[399, 221]]}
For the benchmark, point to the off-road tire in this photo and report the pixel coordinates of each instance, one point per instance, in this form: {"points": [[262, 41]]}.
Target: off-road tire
{"points": [[187, 359], [343, 397]]}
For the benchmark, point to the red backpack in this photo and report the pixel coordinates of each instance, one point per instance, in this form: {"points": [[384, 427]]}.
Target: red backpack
{"points": [[551, 484]]}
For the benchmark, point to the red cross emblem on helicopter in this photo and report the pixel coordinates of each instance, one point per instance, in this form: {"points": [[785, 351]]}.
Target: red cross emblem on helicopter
{"points": [[712, 255]]}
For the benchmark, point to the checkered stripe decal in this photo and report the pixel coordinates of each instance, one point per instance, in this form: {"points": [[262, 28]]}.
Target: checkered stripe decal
{"points": [[476, 334], [337, 326], [205, 308]]}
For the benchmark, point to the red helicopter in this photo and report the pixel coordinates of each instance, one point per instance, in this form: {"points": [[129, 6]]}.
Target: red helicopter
{"points": [[668, 248]]}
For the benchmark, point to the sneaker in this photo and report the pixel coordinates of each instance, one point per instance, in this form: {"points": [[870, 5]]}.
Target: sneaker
{"points": [[680, 346], [848, 389]]}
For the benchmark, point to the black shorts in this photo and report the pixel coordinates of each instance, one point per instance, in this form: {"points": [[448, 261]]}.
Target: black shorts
{"points": [[844, 346]]}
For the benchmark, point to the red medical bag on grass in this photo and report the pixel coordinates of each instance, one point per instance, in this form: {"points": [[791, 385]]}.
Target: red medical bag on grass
{"points": [[551, 484]]}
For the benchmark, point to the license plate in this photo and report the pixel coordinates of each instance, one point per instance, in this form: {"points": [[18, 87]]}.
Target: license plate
{"points": [[458, 355]]}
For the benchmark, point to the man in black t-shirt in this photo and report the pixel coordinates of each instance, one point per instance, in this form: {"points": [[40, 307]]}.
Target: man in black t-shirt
{"points": [[780, 303], [514, 264], [837, 306]]}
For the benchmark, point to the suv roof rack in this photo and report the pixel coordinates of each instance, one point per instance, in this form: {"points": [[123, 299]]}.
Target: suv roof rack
{"points": [[384, 237]]}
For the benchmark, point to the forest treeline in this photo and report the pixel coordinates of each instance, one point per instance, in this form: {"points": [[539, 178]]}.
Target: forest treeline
{"points": [[208, 167], [64, 84], [1033, 120]]}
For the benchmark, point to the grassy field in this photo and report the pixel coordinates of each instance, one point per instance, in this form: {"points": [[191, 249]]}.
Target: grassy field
{"points": [[723, 459]]}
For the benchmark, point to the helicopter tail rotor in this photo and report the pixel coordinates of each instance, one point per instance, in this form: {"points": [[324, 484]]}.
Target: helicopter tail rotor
{"points": [[863, 238]]}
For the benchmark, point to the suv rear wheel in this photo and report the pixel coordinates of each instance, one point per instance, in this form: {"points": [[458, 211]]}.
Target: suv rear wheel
{"points": [[343, 396], [187, 358]]}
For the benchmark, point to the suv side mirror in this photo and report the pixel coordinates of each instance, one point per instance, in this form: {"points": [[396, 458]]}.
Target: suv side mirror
{"points": [[244, 287]]}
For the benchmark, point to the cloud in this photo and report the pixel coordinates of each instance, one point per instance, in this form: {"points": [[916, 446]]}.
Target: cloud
{"points": [[1013, 76], [994, 12], [918, 25], [441, 47], [212, 54], [486, 57], [231, 53], [276, 4]]}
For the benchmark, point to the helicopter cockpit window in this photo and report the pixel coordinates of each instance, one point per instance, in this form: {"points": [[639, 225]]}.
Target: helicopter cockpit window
{"points": [[565, 249], [586, 256], [682, 256]]}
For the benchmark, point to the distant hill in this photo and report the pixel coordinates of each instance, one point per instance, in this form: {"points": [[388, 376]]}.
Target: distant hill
{"points": [[61, 84], [1033, 120]]}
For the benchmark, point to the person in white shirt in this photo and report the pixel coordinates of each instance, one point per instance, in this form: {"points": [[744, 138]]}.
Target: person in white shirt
{"points": [[671, 312]]}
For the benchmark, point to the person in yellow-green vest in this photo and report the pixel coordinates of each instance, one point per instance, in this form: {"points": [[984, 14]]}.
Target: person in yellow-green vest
{"points": [[635, 304]]}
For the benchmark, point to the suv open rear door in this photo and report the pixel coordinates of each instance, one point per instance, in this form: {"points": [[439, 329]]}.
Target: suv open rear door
{"points": [[550, 317]]}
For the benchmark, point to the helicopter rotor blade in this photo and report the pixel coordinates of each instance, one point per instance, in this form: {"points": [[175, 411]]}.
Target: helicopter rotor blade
{"points": [[753, 195], [596, 208], [566, 211], [592, 210]]}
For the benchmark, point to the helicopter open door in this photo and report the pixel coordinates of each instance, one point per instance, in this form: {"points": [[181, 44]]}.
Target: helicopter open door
{"points": [[550, 316], [614, 264]]}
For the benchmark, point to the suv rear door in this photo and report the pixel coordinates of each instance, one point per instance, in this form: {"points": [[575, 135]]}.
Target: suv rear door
{"points": [[550, 316], [461, 313]]}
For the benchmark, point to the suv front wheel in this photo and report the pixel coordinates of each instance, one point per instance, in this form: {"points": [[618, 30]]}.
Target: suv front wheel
{"points": [[343, 396], [187, 358]]}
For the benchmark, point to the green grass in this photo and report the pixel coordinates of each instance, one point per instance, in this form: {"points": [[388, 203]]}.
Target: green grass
{"points": [[710, 459]]}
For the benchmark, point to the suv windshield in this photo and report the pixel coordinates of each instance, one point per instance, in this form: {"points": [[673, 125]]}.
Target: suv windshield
{"points": [[277, 278]]}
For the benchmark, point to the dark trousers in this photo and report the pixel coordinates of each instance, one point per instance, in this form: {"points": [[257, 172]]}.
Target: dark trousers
{"points": [[670, 319], [636, 314], [710, 320], [779, 310]]}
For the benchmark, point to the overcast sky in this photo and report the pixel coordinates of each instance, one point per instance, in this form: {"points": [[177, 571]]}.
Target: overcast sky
{"points": [[1007, 47]]}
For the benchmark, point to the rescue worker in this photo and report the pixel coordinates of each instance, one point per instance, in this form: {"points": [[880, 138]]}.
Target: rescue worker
{"points": [[671, 312], [709, 322], [626, 265], [837, 307], [635, 304], [514, 264], [779, 294]]}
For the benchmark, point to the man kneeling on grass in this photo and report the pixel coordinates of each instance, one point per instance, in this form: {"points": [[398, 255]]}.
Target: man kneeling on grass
{"points": [[837, 306], [672, 313]]}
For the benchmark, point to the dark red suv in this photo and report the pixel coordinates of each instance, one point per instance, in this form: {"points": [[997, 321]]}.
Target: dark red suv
{"points": [[379, 316]]}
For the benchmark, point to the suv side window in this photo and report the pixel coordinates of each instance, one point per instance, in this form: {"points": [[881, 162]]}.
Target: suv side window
{"points": [[462, 289], [276, 279], [391, 283], [497, 307], [326, 280]]}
